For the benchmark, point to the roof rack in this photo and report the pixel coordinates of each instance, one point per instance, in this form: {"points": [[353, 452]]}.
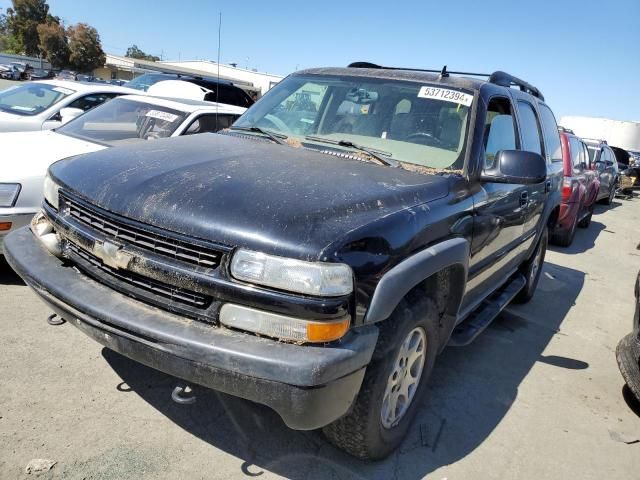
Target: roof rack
{"points": [[565, 129], [498, 77]]}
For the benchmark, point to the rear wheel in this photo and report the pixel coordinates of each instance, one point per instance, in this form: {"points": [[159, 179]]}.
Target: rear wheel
{"points": [[393, 384], [532, 268], [564, 238], [586, 221], [612, 194]]}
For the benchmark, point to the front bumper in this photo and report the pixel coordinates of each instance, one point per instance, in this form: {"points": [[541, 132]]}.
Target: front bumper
{"points": [[308, 386], [17, 221]]}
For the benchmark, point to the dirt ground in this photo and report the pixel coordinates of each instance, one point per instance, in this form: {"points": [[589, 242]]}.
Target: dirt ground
{"points": [[537, 396]]}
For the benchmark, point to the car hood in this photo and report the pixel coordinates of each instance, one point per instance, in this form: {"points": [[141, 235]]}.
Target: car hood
{"points": [[29, 154], [245, 192]]}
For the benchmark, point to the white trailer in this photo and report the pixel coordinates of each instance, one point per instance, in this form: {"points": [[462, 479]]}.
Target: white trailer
{"points": [[617, 133]]}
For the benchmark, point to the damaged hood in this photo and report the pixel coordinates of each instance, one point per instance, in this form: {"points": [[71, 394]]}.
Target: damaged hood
{"points": [[245, 192]]}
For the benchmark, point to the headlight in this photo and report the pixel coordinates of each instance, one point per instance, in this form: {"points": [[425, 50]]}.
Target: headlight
{"points": [[9, 194], [51, 192], [311, 278]]}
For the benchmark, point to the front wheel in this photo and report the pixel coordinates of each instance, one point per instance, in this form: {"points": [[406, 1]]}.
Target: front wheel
{"points": [[393, 384], [532, 268]]}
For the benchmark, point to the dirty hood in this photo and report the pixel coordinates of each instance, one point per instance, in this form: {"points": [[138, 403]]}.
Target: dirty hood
{"points": [[245, 192]]}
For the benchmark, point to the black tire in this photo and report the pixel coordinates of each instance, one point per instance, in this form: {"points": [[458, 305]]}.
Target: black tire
{"points": [[530, 271], [586, 221], [564, 238], [361, 432], [627, 353]]}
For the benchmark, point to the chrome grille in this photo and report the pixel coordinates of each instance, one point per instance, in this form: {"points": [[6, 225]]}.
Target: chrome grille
{"points": [[164, 243]]}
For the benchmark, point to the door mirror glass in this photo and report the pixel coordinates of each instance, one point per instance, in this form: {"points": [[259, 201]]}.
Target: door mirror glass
{"points": [[517, 167]]}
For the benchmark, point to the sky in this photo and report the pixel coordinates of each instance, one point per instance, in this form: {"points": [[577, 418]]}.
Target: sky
{"points": [[582, 55]]}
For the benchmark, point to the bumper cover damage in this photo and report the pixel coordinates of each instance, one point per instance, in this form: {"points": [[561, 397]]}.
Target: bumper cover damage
{"points": [[308, 386]]}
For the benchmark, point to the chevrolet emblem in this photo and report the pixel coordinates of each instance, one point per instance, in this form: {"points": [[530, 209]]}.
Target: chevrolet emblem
{"points": [[112, 255]]}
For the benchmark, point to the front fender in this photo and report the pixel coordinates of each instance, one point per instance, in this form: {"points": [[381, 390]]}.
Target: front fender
{"points": [[398, 281]]}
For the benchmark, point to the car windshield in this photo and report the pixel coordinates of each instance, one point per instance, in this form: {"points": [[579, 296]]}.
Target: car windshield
{"points": [[143, 82], [32, 98], [409, 122], [122, 120]]}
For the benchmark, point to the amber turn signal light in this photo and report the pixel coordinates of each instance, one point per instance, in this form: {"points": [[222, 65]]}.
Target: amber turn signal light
{"points": [[5, 226]]}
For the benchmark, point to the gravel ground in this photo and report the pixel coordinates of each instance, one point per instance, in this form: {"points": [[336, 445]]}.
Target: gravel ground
{"points": [[537, 396]]}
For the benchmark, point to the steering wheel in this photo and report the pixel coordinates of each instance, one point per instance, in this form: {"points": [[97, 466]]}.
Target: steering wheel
{"points": [[278, 125], [430, 139]]}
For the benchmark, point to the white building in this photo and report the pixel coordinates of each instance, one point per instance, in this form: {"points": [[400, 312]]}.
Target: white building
{"points": [[617, 133], [260, 80]]}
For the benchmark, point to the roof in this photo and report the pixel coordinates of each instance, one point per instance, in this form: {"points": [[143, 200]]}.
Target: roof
{"points": [[187, 105], [398, 74], [87, 86]]}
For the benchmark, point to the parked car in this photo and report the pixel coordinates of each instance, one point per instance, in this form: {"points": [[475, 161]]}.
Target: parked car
{"points": [[66, 75], [9, 72], [24, 70], [628, 171], [47, 104], [121, 121], [220, 90], [580, 189], [603, 162], [628, 350], [314, 258], [41, 74], [115, 81]]}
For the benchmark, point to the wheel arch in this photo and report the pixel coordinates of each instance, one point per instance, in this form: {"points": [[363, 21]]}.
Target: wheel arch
{"points": [[439, 271]]}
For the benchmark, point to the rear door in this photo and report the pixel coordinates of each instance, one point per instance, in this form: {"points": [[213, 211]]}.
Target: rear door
{"points": [[531, 138]]}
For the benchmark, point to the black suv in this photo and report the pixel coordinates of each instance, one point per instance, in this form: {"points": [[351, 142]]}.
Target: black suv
{"points": [[221, 90], [318, 255]]}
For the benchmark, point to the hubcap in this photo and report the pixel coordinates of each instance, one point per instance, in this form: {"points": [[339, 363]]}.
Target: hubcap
{"points": [[404, 379]]}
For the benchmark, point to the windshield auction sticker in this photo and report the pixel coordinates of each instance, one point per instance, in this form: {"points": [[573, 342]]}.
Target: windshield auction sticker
{"points": [[62, 90], [166, 116], [446, 95]]}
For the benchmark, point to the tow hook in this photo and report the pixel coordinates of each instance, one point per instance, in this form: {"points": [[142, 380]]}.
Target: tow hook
{"points": [[177, 397], [52, 320]]}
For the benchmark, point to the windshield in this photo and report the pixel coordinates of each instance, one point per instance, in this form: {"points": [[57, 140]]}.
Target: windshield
{"points": [[32, 98], [408, 122], [121, 121], [143, 82]]}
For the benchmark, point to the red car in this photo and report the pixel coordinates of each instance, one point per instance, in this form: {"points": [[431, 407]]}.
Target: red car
{"points": [[579, 190]]}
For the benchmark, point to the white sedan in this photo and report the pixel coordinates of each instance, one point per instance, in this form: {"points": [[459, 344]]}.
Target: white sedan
{"points": [[123, 120], [47, 104]]}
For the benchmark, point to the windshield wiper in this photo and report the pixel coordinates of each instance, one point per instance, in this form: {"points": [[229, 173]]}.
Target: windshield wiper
{"points": [[389, 162], [276, 137]]}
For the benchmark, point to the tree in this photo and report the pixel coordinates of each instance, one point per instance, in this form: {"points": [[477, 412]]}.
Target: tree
{"points": [[22, 22], [134, 52], [53, 44], [85, 49]]}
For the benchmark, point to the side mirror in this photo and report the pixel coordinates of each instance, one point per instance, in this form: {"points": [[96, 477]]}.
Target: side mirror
{"points": [[517, 167], [67, 114]]}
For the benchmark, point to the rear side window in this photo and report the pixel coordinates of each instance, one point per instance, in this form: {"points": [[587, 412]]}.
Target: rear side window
{"points": [[529, 128], [90, 101], [576, 152], [550, 134], [210, 123]]}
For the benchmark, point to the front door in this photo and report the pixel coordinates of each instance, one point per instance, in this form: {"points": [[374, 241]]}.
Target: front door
{"points": [[500, 208]]}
